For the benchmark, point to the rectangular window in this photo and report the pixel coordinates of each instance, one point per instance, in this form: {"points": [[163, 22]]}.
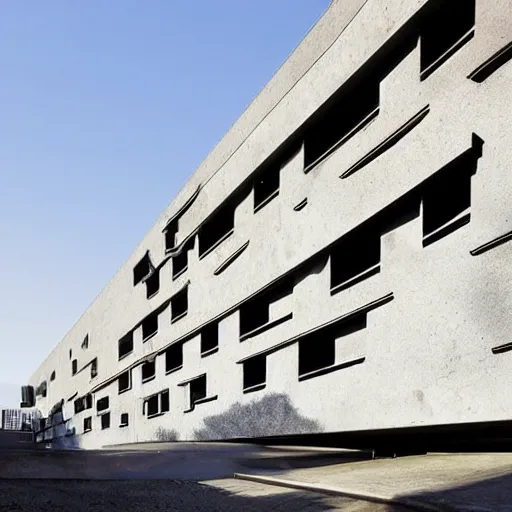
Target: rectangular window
{"points": [[74, 367], [124, 420], [197, 390], [153, 284], [79, 405], [105, 421], [164, 401], [217, 228], [355, 258], [94, 368], [124, 382], [209, 338], [85, 342], [87, 424], [179, 305], [266, 186], [336, 120], [102, 404], [255, 313], [142, 269], [316, 352], [445, 29], [255, 372], [170, 235], [126, 345], [149, 326], [174, 357], [148, 371], [180, 261], [152, 405], [88, 401]]}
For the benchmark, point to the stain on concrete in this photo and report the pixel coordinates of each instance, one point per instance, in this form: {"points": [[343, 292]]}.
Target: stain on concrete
{"points": [[166, 434], [271, 416]]}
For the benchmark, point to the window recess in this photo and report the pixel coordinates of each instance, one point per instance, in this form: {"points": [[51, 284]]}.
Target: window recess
{"points": [[153, 284], [143, 269], [87, 424], [197, 391], [210, 339], [105, 421], [148, 371], [124, 420], [255, 314], [180, 261], [255, 373], [266, 186], [217, 228], [446, 27], [124, 382], [156, 404], [102, 404], [125, 345], [179, 304], [149, 326], [174, 358]]}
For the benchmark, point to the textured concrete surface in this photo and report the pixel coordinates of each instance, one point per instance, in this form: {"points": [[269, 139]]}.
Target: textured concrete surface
{"points": [[424, 355], [464, 482], [169, 496]]}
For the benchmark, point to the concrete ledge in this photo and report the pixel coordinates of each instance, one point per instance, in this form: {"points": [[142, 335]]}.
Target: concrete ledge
{"points": [[327, 489]]}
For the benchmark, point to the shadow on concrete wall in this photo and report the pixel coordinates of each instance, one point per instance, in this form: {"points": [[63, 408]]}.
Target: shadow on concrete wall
{"points": [[166, 434], [273, 415]]}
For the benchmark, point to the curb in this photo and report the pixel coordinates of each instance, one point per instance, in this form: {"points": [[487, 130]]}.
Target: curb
{"points": [[326, 489]]}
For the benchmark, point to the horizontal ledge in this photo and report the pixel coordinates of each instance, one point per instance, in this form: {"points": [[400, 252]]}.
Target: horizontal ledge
{"points": [[492, 244], [201, 401], [266, 327], [267, 200], [362, 124], [125, 390], [502, 348], [147, 338], [216, 244], [447, 54], [148, 379], [122, 425], [155, 415], [207, 353], [187, 381], [101, 413], [152, 295], [179, 317], [365, 274], [223, 266], [183, 209], [492, 64], [298, 207], [447, 229], [388, 142], [330, 369], [343, 318], [120, 358], [86, 431], [253, 389], [172, 370]]}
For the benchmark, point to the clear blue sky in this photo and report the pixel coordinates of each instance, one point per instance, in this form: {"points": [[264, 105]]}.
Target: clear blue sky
{"points": [[106, 108]]}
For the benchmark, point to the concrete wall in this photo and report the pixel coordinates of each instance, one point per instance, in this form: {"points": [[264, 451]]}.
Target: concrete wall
{"points": [[414, 334]]}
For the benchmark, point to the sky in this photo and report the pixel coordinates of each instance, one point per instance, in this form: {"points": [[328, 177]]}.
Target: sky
{"points": [[106, 109]]}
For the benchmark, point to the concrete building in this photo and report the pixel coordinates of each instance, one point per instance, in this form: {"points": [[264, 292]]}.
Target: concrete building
{"points": [[338, 263]]}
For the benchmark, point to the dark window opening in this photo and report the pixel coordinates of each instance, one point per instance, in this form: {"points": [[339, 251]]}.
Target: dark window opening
{"points": [[124, 420], [255, 313], [266, 186], [210, 337], [142, 269], [180, 263], [52, 376], [174, 357], [152, 405], [164, 401], [197, 390], [316, 352], [255, 371], [88, 401], [94, 368], [153, 284], [447, 195], [102, 404], [124, 382], [85, 342], [27, 396], [170, 235], [70, 353], [105, 421], [126, 345], [79, 405], [445, 25], [338, 119], [357, 255], [74, 366], [179, 304], [216, 228], [149, 326], [87, 424], [148, 370]]}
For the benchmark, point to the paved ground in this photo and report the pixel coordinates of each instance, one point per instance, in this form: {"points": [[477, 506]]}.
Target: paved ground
{"points": [[169, 496], [472, 482]]}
